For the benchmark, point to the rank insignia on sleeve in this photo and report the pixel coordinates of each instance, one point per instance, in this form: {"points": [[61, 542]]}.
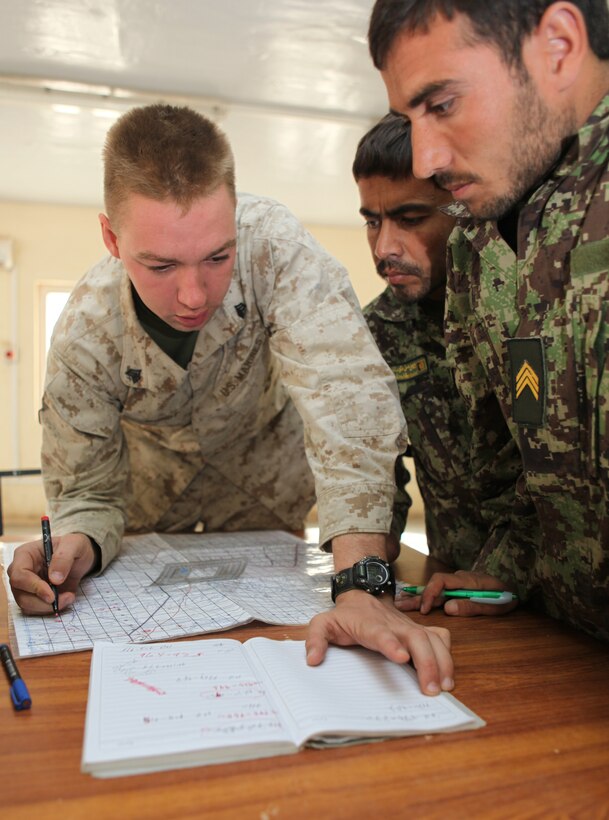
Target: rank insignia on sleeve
{"points": [[411, 369], [528, 380]]}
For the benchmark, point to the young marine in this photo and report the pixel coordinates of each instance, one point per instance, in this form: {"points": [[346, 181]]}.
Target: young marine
{"points": [[197, 372]]}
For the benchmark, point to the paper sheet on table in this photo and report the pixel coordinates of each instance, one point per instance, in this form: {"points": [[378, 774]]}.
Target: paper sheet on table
{"points": [[164, 587]]}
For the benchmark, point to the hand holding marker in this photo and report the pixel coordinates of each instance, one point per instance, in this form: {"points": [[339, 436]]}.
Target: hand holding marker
{"points": [[48, 554]]}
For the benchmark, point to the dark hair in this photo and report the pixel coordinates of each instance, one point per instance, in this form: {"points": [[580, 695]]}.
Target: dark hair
{"points": [[503, 22], [385, 150], [165, 152]]}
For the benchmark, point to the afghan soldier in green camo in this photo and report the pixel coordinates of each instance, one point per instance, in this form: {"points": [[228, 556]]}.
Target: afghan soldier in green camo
{"points": [[509, 107], [407, 234]]}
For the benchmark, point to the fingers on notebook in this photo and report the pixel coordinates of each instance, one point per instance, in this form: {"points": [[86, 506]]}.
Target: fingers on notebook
{"points": [[383, 629]]}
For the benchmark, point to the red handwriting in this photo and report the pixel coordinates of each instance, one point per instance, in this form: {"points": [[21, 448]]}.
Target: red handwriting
{"points": [[147, 686]]}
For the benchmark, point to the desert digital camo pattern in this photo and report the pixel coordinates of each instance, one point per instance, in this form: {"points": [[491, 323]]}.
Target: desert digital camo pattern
{"points": [[552, 298], [463, 502], [131, 439]]}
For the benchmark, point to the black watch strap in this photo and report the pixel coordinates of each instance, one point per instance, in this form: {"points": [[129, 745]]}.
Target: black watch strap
{"points": [[371, 574]]}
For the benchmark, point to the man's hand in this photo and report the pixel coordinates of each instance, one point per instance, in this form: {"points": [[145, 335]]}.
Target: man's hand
{"points": [[439, 581], [73, 557], [360, 618]]}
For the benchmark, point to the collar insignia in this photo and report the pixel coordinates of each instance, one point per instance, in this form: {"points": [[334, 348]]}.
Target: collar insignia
{"points": [[133, 374]]}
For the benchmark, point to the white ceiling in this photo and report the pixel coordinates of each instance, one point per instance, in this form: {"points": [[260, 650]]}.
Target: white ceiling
{"points": [[290, 81]]}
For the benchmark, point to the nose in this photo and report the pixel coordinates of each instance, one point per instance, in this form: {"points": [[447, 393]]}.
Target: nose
{"points": [[430, 152], [191, 288], [388, 243]]}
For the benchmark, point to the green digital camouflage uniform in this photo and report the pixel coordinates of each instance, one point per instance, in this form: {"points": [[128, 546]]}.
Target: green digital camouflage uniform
{"points": [[532, 328], [286, 363], [462, 503]]}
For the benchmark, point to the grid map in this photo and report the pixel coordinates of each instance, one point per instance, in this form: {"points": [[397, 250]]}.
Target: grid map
{"points": [[268, 576]]}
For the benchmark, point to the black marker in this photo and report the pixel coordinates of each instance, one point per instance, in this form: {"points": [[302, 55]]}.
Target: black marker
{"points": [[19, 693], [48, 554]]}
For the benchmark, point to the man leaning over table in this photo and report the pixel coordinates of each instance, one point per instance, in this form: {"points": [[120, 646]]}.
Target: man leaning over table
{"points": [[508, 102], [407, 231], [198, 371]]}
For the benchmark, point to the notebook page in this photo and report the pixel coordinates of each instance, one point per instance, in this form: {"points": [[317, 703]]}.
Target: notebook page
{"points": [[150, 703], [355, 692]]}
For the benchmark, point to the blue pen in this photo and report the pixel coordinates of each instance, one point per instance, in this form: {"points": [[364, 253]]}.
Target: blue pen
{"points": [[19, 693], [480, 596]]}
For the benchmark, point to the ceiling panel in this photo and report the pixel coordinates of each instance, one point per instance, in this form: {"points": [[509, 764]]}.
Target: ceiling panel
{"points": [[291, 80]]}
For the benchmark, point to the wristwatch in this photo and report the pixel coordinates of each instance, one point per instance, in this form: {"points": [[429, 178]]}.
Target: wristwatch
{"points": [[372, 574]]}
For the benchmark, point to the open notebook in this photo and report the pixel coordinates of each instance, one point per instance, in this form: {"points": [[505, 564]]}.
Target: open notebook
{"points": [[172, 705]]}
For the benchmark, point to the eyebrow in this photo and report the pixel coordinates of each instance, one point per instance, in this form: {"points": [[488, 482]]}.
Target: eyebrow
{"points": [[407, 207], [423, 95], [149, 256], [426, 92]]}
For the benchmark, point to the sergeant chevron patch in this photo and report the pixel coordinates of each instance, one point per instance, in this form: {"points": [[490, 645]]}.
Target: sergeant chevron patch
{"points": [[528, 381], [527, 377]]}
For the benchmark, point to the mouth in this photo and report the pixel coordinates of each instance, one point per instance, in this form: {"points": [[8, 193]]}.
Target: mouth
{"points": [[394, 276], [459, 191], [458, 188], [193, 321]]}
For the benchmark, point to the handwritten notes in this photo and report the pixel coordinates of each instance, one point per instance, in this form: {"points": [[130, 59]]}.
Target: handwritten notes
{"points": [[172, 705], [176, 699]]}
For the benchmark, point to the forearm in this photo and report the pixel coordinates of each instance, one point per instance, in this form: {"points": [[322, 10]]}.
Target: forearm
{"points": [[349, 548], [84, 480]]}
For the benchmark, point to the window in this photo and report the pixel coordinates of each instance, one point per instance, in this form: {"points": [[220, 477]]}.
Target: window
{"points": [[51, 300], [54, 301]]}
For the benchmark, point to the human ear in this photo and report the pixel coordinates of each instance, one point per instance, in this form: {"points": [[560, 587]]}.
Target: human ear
{"points": [[108, 235], [563, 42]]}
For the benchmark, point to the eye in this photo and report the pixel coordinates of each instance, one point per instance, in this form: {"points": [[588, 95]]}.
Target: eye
{"points": [[440, 109], [160, 268], [372, 224], [411, 221], [217, 260]]}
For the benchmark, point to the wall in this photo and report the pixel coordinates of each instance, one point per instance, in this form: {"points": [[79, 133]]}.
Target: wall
{"points": [[58, 243], [49, 243]]}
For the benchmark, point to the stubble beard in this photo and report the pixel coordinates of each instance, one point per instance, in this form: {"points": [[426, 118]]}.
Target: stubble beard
{"points": [[536, 145], [537, 139], [407, 295]]}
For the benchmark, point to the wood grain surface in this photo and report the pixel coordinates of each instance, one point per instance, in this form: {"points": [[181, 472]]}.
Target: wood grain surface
{"points": [[542, 688]]}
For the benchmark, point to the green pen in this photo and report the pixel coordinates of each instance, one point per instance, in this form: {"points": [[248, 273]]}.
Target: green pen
{"points": [[482, 596]]}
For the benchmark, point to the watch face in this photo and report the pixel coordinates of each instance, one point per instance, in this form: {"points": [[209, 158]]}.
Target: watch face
{"points": [[377, 573]]}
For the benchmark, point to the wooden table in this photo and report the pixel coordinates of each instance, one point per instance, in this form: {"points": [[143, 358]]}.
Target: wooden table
{"points": [[542, 688]]}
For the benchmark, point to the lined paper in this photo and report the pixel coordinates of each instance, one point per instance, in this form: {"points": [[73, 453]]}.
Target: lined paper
{"points": [[353, 692], [152, 702], [165, 706]]}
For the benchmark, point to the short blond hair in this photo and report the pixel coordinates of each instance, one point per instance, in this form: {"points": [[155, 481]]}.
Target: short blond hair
{"points": [[165, 152]]}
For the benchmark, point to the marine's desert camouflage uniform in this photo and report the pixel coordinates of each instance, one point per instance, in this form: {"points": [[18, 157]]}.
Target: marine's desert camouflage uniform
{"points": [[462, 503], [130, 437], [554, 391]]}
